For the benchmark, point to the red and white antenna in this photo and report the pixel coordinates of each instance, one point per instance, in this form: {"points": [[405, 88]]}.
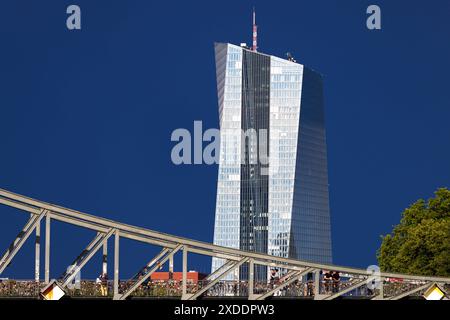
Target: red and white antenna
{"points": [[255, 32]]}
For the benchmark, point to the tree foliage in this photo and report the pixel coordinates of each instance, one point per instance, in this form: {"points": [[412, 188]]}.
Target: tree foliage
{"points": [[420, 244]]}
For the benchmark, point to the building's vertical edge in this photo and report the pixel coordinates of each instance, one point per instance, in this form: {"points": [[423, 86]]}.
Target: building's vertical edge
{"points": [[229, 88], [221, 64], [310, 230], [285, 98]]}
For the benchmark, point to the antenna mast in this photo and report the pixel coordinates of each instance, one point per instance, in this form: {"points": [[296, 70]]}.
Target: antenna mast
{"points": [[255, 32]]}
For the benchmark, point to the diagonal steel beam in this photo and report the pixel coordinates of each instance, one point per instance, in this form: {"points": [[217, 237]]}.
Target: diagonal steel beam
{"points": [[87, 254], [409, 292], [151, 263], [294, 275], [21, 238], [352, 287], [225, 271], [164, 260], [219, 270], [227, 265], [17, 239], [83, 253]]}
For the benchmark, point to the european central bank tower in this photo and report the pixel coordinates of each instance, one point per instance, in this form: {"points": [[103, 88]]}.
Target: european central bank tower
{"points": [[275, 200]]}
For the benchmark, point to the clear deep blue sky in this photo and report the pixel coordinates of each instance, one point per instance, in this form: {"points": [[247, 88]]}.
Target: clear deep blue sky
{"points": [[86, 116]]}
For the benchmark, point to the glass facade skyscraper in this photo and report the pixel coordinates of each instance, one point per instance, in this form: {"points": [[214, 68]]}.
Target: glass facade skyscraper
{"points": [[272, 190]]}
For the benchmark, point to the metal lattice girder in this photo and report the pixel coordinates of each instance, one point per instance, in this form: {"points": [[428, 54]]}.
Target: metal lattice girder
{"points": [[409, 292], [223, 272], [348, 289], [85, 256], [15, 246], [165, 255], [290, 278], [100, 224]]}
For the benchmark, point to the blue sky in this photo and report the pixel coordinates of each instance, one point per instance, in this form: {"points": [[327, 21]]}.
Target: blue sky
{"points": [[86, 116]]}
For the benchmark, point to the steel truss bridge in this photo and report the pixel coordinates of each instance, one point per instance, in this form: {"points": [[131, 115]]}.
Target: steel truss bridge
{"points": [[293, 282]]}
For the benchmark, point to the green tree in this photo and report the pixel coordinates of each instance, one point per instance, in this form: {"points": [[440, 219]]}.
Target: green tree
{"points": [[420, 244]]}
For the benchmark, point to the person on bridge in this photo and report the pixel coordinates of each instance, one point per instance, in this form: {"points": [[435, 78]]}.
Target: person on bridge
{"points": [[336, 281], [274, 277]]}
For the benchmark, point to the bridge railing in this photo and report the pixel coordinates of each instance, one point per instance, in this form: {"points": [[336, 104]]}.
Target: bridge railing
{"points": [[172, 288], [20, 288]]}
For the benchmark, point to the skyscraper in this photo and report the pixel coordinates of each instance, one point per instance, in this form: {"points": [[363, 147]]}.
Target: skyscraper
{"points": [[272, 191]]}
